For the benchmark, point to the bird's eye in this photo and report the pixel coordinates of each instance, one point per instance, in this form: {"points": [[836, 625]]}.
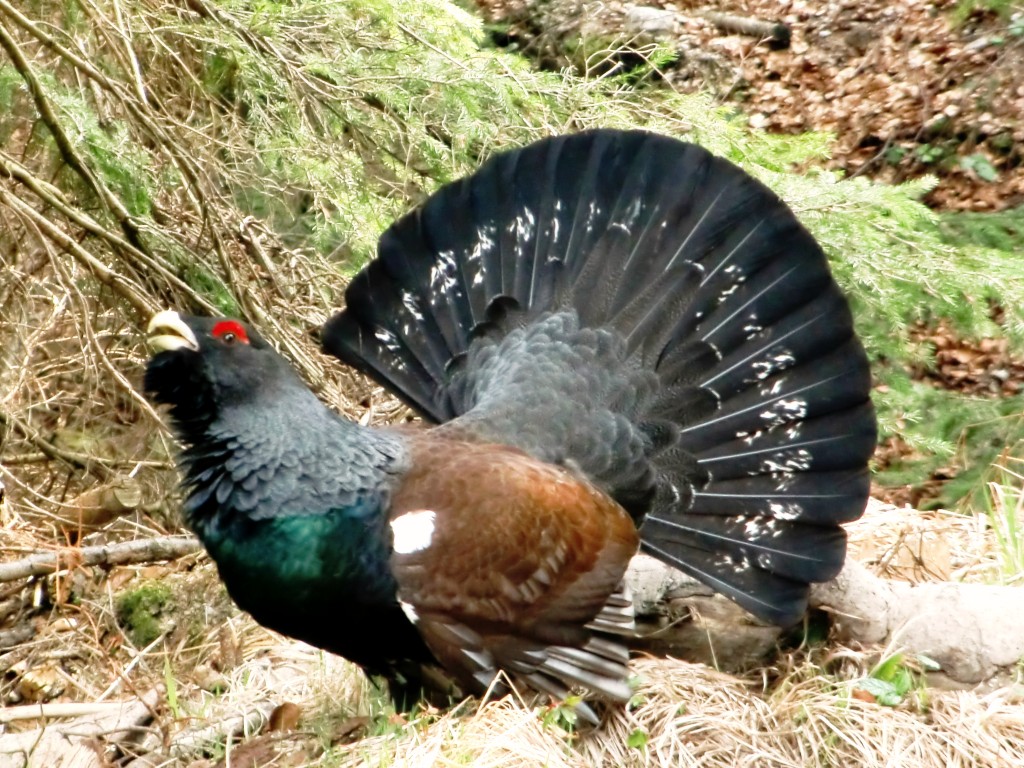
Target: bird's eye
{"points": [[230, 331]]}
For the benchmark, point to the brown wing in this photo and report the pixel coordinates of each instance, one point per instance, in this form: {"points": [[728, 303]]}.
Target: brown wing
{"points": [[506, 563]]}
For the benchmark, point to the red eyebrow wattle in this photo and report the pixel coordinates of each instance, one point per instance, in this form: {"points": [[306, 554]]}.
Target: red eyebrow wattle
{"points": [[224, 327]]}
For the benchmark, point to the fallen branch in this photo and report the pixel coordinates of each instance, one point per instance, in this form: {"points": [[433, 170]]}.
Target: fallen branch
{"points": [[58, 710], [52, 452], [973, 631], [139, 551], [194, 741], [79, 743], [776, 33]]}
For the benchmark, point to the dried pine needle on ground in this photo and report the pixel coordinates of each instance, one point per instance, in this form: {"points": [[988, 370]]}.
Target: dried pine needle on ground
{"points": [[810, 710], [689, 715]]}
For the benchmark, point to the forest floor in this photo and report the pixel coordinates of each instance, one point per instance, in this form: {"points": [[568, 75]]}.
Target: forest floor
{"points": [[150, 665], [907, 87]]}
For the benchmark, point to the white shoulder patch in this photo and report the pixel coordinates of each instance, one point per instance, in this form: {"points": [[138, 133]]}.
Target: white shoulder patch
{"points": [[410, 611], [413, 531]]}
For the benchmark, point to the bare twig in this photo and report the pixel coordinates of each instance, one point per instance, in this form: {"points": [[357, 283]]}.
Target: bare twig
{"points": [[37, 32], [121, 285], [52, 452], [79, 742], [139, 551], [775, 32], [57, 710], [64, 144], [55, 199]]}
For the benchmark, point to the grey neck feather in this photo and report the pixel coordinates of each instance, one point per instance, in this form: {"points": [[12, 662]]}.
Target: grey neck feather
{"points": [[288, 455]]}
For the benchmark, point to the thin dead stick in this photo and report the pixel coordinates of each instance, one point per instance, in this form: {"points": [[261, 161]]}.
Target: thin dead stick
{"points": [[52, 452], [126, 39], [139, 551], [54, 198], [57, 710], [195, 740], [48, 40], [64, 143], [124, 287], [777, 33], [74, 743], [141, 112]]}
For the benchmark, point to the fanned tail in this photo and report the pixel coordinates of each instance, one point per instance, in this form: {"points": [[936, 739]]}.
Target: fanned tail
{"points": [[633, 306]]}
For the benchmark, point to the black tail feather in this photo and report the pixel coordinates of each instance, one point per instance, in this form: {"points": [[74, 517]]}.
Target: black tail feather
{"points": [[811, 499], [833, 441], [705, 372], [829, 384], [792, 552], [767, 595]]}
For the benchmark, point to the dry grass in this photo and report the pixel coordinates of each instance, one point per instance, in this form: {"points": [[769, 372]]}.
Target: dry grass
{"points": [[229, 677], [913, 545], [691, 715], [684, 715]]}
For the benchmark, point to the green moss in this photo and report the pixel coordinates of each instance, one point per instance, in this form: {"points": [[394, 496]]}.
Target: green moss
{"points": [[143, 612]]}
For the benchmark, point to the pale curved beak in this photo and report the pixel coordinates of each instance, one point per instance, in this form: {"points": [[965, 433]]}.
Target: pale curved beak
{"points": [[167, 332]]}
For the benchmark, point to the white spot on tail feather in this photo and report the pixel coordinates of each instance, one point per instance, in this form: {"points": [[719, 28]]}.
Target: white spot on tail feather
{"points": [[413, 531], [484, 243], [388, 339], [773, 363], [784, 410], [443, 274], [759, 528], [524, 225], [412, 306], [785, 511]]}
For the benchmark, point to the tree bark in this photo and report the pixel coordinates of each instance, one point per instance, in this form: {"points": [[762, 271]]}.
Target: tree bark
{"points": [[974, 632], [79, 743]]}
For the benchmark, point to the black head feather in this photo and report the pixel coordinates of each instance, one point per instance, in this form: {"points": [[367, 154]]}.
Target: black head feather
{"points": [[203, 366]]}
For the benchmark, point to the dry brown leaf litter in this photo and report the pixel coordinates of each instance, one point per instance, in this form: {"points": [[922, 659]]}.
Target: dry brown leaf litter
{"points": [[984, 368], [905, 87]]}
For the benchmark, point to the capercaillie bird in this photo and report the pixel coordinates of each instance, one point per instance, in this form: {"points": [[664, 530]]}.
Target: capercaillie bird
{"points": [[621, 343]]}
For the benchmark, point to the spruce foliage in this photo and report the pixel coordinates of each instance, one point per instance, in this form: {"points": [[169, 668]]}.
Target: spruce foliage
{"points": [[244, 156]]}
